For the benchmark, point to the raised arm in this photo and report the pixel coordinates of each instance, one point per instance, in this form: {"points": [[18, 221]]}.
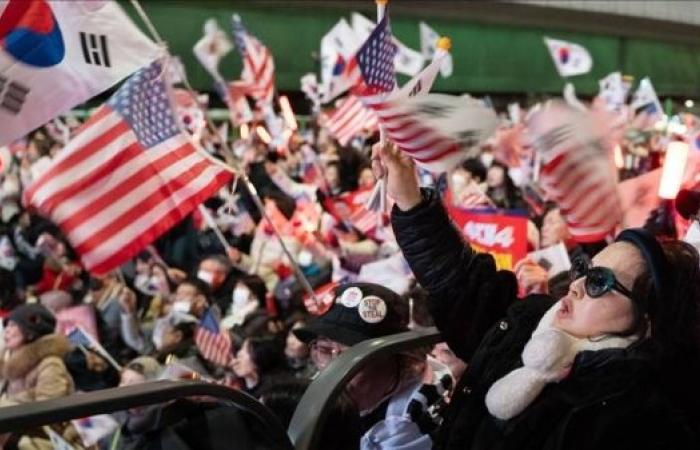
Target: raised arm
{"points": [[467, 294]]}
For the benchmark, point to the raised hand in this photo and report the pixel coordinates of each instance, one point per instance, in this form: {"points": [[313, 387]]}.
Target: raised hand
{"points": [[400, 172]]}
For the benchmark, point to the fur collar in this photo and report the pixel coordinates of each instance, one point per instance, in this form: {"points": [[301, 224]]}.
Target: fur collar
{"points": [[27, 357]]}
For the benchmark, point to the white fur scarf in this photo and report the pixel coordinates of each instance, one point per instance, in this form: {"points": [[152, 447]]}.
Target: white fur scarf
{"points": [[547, 358]]}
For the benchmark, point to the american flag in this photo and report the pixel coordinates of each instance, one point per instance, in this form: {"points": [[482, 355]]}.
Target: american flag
{"points": [[213, 343], [258, 76], [360, 217], [432, 131], [375, 63], [576, 173], [350, 119], [127, 177], [371, 74]]}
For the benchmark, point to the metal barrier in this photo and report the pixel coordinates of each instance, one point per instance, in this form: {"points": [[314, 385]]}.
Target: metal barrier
{"points": [[304, 429], [29, 415], [309, 417]]}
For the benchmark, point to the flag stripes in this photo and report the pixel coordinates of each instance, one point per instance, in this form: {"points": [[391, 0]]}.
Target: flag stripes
{"points": [[126, 178], [351, 118]]}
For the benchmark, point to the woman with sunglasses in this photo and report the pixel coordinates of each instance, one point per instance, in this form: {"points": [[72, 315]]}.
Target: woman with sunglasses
{"points": [[612, 364]]}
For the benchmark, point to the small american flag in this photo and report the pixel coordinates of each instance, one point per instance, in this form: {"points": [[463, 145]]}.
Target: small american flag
{"points": [[360, 217], [213, 343], [350, 119], [258, 76], [375, 62], [127, 177], [576, 173]]}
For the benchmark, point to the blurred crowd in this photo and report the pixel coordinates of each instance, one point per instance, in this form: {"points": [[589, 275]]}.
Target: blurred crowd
{"points": [[226, 262]]}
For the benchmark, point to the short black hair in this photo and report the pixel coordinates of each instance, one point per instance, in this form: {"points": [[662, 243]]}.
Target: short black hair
{"points": [[186, 328], [201, 287], [475, 167]]}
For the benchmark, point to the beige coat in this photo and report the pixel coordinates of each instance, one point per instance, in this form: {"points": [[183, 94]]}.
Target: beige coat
{"points": [[36, 372]]}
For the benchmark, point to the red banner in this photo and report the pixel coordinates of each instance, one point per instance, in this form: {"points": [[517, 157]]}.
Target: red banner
{"points": [[502, 235]]}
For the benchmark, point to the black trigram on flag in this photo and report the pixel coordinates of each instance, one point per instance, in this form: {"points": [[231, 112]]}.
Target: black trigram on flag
{"points": [[95, 49], [12, 95], [416, 89]]}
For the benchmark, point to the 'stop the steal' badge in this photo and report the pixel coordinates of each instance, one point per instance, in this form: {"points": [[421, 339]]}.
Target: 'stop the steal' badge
{"points": [[372, 309]]}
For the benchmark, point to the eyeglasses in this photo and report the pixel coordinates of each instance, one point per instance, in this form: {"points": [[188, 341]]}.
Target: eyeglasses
{"points": [[322, 353], [599, 280]]}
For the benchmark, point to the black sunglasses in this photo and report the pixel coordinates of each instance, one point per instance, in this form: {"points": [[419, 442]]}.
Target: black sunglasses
{"points": [[599, 280]]}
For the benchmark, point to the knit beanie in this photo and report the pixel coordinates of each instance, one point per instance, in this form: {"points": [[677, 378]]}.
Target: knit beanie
{"points": [[34, 320]]}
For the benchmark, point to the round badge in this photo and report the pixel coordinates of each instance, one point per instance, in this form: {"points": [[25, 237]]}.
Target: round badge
{"points": [[351, 297], [372, 309]]}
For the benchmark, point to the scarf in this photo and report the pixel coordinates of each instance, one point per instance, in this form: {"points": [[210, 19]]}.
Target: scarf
{"points": [[547, 358]]}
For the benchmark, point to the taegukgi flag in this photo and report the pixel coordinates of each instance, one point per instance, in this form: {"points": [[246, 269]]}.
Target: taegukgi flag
{"points": [[57, 54], [569, 58], [428, 44]]}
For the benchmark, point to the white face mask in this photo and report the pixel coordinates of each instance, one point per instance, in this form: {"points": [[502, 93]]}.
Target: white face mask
{"points": [[305, 258], [241, 295], [205, 276], [182, 306]]}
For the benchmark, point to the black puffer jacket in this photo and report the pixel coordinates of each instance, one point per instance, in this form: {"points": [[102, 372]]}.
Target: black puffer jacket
{"points": [[611, 399]]}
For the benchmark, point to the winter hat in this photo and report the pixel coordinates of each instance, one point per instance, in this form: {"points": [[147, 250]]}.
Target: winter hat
{"points": [[34, 320], [149, 367], [360, 311]]}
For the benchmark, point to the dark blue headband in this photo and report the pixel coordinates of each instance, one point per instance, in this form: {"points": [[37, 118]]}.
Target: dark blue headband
{"points": [[653, 254]]}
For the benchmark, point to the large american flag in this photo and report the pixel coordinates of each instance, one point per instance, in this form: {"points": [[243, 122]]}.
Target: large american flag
{"points": [[258, 75], [576, 173], [213, 343], [350, 119], [127, 177]]}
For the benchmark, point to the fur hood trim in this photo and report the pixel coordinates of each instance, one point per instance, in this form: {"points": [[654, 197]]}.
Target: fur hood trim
{"points": [[27, 357]]}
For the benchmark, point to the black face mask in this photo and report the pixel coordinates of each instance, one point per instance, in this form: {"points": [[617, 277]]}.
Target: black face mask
{"points": [[95, 284]]}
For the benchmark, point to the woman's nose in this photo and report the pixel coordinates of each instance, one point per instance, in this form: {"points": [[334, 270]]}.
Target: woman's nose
{"points": [[576, 289]]}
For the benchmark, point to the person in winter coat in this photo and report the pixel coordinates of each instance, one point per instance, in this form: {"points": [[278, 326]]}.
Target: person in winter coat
{"points": [[613, 364], [32, 369]]}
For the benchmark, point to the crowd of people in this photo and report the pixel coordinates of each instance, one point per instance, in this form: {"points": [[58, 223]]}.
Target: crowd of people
{"points": [[599, 359]]}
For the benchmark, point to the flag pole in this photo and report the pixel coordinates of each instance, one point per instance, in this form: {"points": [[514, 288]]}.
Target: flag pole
{"points": [[232, 166]]}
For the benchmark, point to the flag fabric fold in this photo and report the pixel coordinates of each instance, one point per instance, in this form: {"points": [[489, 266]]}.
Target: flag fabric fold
{"points": [[127, 177], [349, 119], [59, 54]]}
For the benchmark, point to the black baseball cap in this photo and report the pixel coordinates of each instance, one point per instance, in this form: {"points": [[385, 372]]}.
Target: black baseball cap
{"points": [[360, 311]]}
